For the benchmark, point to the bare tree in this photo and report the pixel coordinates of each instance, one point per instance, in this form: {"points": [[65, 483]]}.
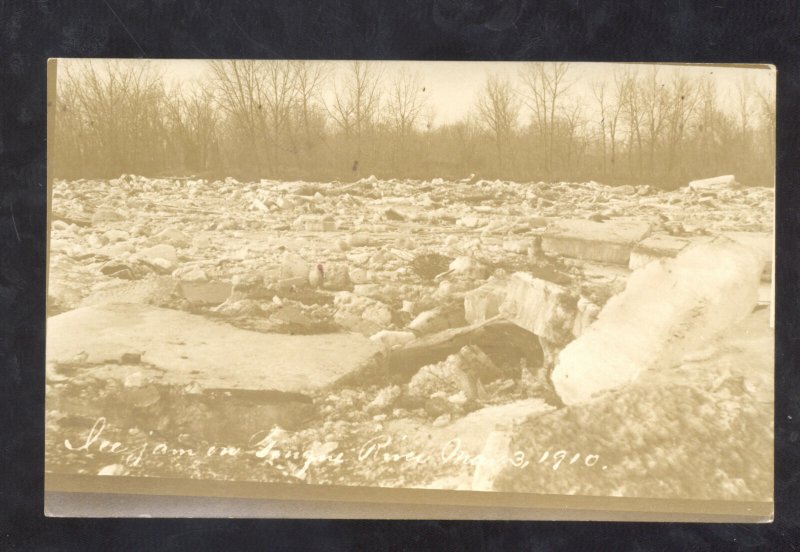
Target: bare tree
{"points": [[707, 123], [356, 103], [498, 109], [652, 93], [276, 92], [120, 107], [428, 124], [609, 109], [573, 117], [258, 98], [630, 98], [406, 102], [766, 100], [545, 83], [237, 94], [599, 92], [194, 119], [682, 99], [404, 109], [466, 132], [744, 91], [310, 77], [612, 122], [71, 154]]}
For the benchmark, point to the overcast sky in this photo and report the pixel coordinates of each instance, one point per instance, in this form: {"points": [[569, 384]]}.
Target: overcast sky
{"points": [[452, 87]]}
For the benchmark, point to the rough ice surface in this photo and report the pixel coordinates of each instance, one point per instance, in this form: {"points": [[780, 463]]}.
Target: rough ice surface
{"points": [[417, 272]]}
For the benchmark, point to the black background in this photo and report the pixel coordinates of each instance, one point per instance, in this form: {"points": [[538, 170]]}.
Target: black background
{"points": [[576, 30]]}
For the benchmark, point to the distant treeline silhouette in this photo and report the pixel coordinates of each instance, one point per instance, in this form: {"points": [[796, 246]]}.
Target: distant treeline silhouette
{"points": [[295, 120]]}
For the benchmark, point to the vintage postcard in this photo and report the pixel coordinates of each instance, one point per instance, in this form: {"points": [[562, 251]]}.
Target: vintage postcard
{"points": [[410, 289]]}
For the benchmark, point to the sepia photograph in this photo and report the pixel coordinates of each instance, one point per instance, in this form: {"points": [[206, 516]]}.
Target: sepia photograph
{"points": [[500, 283]]}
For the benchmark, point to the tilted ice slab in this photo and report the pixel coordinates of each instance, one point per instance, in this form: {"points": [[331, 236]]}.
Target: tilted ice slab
{"points": [[667, 308], [539, 306]]}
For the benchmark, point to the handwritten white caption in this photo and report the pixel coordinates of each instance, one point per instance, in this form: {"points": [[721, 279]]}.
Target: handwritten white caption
{"points": [[378, 449]]}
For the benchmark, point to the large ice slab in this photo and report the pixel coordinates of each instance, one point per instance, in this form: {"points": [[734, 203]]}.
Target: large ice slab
{"points": [[608, 242], [190, 349], [667, 308]]}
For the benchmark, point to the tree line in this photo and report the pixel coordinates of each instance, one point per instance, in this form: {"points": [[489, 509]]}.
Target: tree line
{"points": [[301, 120]]}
